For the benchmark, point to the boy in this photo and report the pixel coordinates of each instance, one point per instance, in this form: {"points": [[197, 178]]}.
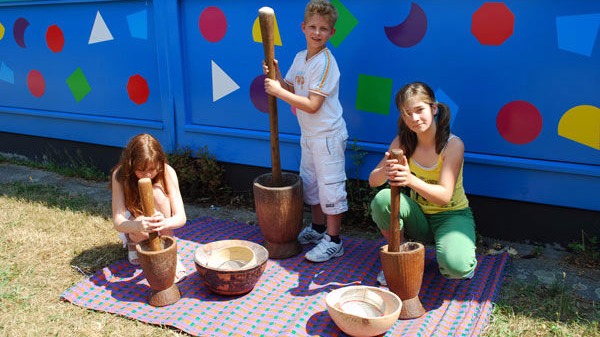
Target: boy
{"points": [[312, 86]]}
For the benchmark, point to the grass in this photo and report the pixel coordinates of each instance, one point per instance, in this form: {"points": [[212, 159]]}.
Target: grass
{"points": [[52, 240], [534, 309]]}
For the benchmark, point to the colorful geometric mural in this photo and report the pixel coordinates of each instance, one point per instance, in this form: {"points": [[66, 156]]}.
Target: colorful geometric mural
{"points": [[36, 83], [19, 28], [578, 33], [493, 23], [519, 122], [411, 31], [79, 85], [524, 76], [581, 124], [100, 31], [344, 25], [213, 24], [138, 24], [55, 38], [257, 35]]}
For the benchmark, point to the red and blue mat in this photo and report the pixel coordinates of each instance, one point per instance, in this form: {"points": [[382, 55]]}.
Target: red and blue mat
{"points": [[289, 298]]}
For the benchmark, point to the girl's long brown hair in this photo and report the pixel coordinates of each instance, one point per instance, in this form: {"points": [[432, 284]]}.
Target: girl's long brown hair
{"points": [[141, 151], [408, 139]]}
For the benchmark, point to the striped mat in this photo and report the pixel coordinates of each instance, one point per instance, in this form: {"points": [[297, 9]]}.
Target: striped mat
{"points": [[289, 298]]}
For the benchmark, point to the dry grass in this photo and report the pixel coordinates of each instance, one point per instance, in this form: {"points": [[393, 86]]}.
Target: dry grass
{"points": [[51, 240]]}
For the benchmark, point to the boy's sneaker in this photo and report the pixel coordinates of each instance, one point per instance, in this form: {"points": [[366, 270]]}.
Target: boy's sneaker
{"points": [[381, 278], [325, 250], [309, 235]]}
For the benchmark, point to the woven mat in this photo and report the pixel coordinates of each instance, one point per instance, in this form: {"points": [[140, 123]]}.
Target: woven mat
{"points": [[289, 298]]}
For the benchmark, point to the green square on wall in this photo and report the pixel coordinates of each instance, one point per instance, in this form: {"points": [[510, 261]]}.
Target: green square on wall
{"points": [[374, 94]]}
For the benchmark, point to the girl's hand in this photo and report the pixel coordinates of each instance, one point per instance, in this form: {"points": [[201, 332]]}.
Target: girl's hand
{"points": [[397, 172], [154, 223]]}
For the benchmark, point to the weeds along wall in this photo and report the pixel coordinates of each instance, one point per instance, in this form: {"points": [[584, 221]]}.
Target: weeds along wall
{"points": [[522, 79]]}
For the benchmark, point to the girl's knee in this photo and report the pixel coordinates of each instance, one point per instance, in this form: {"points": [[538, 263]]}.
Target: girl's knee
{"points": [[380, 209], [162, 203], [457, 267], [381, 202]]}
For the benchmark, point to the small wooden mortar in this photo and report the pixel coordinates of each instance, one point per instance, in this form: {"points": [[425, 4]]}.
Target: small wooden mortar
{"points": [[403, 263], [158, 256]]}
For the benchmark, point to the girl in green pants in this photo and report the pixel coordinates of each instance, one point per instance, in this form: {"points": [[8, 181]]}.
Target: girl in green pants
{"points": [[437, 209]]}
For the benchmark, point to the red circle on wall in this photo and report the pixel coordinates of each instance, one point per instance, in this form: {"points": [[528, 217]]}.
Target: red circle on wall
{"points": [[36, 83], [212, 24], [55, 38], [519, 122], [138, 89]]}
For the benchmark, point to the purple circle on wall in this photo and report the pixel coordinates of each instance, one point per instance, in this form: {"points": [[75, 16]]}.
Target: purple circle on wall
{"points": [[259, 97]]}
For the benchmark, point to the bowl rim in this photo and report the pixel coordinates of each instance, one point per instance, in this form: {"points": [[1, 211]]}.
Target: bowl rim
{"points": [[337, 293], [235, 242]]}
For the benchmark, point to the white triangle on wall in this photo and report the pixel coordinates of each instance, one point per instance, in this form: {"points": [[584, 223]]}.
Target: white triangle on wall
{"points": [[100, 32], [222, 84]]}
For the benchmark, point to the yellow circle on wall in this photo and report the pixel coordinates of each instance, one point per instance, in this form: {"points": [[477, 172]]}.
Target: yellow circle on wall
{"points": [[1, 31]]}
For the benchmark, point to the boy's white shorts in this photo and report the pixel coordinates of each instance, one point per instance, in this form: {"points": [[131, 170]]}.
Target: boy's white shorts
{"points": [[323, 172]]}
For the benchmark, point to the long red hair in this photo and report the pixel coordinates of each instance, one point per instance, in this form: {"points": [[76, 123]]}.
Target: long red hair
{"points": [[142, 151]]}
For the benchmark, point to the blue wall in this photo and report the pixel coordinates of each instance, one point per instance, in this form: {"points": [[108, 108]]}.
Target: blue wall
{"points": [[522, 79]]}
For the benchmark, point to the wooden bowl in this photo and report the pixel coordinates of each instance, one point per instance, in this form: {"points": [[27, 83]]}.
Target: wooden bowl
{"points": [[231, 258], [230, 267], [363, 311]]}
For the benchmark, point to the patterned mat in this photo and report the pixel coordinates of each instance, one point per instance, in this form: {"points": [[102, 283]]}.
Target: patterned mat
{"points": [[289, 298]]}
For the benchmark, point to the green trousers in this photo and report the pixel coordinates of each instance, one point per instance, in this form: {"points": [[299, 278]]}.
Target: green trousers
{"points": [[452, 232]]}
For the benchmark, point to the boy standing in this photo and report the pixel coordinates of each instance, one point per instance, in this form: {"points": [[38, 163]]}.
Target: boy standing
{"points": [[312, 87]]}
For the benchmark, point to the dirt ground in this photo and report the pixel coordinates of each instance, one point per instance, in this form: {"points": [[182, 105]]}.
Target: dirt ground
{"points": [[544, 264]]}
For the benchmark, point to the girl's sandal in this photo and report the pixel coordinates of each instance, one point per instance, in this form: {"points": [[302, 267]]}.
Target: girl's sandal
{"points": [[180, 271], [133, 258], [132, 254]]}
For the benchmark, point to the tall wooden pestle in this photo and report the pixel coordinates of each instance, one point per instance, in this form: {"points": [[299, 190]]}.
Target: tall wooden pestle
{"points": [[396, 235], [147, 198]]}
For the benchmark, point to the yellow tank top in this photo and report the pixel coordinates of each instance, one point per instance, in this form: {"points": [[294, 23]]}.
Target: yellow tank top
{"points": [[432, 175]]}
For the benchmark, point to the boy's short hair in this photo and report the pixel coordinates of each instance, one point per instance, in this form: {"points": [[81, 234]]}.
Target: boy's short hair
{"points": [[322, 8]]}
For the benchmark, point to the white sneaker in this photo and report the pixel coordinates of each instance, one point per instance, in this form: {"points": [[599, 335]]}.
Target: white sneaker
{"points": [[309, 235], [381, 278], [325, 250]]}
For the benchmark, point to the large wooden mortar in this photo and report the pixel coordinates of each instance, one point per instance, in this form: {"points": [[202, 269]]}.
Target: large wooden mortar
{"points": [[159, 268], [403, 272], [157, 255], [279, 211]]}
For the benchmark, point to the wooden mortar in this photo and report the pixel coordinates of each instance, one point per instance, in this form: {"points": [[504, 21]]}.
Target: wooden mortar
{"points": [[403, 264], [158, 256]]}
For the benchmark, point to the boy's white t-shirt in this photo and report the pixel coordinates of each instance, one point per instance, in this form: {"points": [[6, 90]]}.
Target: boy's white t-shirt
{"points": [[319, 75]]}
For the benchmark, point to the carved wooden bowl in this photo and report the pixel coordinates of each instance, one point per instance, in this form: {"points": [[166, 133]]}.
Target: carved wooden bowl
{"points": [[230, 267], [362, 311]]}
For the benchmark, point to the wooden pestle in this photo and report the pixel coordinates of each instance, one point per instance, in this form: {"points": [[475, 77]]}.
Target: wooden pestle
{"points": [[396, 235], [266, 18], [147, 198]]}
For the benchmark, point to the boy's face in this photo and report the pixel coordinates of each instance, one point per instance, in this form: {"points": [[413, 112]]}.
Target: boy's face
{"points": [[317, 31]]}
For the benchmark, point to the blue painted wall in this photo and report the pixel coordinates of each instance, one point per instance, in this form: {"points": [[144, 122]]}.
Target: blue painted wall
{"points": [[522, 79]]}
